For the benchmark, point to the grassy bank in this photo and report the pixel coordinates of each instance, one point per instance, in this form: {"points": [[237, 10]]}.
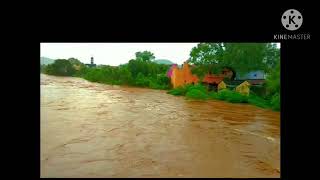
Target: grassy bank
{"points": [[200, 92]]}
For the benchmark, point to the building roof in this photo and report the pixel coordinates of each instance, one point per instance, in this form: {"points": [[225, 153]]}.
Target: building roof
{"points": [[210, 78]]}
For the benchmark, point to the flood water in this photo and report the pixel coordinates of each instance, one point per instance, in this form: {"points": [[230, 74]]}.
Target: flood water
{"points": [[95, 130]]}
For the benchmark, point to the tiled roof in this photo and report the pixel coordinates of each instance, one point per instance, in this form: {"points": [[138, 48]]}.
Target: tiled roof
{"points": [[212, 79]]}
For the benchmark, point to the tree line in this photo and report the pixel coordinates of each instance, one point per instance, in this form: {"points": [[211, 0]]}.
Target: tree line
{"points": [[141, 71]]}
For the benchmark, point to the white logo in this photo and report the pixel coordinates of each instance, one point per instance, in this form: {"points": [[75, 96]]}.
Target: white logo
{"points": [[291, 19]]}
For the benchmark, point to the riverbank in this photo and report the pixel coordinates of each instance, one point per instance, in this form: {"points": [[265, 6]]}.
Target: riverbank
{"points": [[200, 92], [97, 130]]}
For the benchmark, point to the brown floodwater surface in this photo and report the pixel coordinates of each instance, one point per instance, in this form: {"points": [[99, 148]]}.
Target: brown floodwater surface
{"points": [[96, 130]]}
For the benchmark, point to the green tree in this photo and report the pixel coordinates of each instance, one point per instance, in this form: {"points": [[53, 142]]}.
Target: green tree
{"points": [[125, 75], [242, 57], [207, 57], [145, 56], [75, 61], [273, 80], [61, 67], [42, 68], [271, 56]]}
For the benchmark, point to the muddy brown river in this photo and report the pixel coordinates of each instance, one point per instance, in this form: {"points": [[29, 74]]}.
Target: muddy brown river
{"points": [[96, 130]]}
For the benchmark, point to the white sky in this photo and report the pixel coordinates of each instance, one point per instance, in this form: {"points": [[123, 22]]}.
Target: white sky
{"points": [[116, 53]]}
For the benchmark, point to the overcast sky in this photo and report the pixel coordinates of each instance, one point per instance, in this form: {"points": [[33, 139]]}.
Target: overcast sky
{"points": [[116, 53]]}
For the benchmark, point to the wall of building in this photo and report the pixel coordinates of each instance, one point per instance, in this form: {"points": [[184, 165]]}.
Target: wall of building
{"points": [[183, 76]]}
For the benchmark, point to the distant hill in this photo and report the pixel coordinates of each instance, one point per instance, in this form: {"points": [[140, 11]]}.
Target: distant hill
{"points": [[46, 61], [163, 61]]}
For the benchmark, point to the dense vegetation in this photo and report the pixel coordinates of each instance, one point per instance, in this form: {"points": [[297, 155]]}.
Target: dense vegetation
{"points": [[141, 71], [144, 71], [241, 57], [60, 67], [200, 92]]}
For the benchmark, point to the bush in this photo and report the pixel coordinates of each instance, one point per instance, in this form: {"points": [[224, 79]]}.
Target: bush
{"points": [[258, 101], [199, 87], [197, 94], [95, 75], [258, 90], [213, 95], [223, 94], [230, 96], [180, 91], [154, 85], [60, 67], [142, 81], [237, 98], [275, 102]]}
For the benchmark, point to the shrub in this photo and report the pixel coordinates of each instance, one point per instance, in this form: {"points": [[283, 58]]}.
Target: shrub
{"points": [[235, 97], [199, 87], [258, 90], [182, 90], [179, 91], [230, 96], [197, 94], [223, 94], [275, 102], [258, 101], [142, 81], [60, 67], [213, 95]]}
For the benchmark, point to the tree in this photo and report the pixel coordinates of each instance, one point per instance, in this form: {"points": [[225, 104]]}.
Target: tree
{"points": [[271, 56], [207, 57], [206, 53], [75, 61], [145, 56], [61, 67], [242, 57], [273, 80], [42, 68]]}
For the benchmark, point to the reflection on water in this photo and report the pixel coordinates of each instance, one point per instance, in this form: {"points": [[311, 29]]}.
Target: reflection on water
{"points": [[95, 130]]}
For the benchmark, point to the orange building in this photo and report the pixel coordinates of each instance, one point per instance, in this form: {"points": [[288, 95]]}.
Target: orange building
{"points": [[183, 76], [180, 77]]}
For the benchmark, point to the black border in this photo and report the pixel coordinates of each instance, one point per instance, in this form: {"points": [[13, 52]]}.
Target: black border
{"points": [[219, 25]]}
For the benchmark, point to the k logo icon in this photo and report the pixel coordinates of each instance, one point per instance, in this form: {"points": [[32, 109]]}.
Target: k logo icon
{"points": [[291, 19]]}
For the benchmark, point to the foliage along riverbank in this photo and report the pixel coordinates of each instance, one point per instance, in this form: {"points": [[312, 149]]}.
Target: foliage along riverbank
{"points": [[200, 92], [140, 72], [208, 57]]}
